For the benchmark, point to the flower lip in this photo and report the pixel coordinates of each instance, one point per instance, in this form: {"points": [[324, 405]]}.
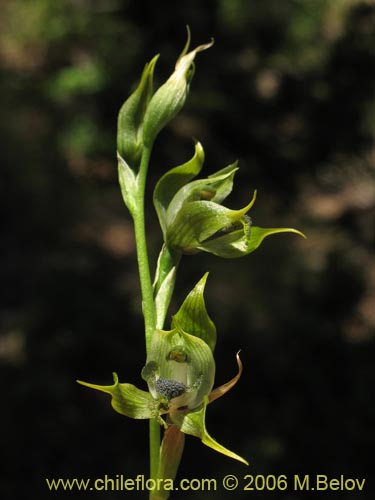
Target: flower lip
{"points": [[169, 388]]}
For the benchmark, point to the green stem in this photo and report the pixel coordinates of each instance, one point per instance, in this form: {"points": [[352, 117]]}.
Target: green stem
{"points": [[148, 305], [147, 291]]}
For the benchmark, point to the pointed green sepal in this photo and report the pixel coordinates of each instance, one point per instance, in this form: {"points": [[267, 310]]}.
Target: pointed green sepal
{"points": [[242, 241], [127, 399], [194, 423], [131, 117], [173, 181], [192, 316], [258, 234]]}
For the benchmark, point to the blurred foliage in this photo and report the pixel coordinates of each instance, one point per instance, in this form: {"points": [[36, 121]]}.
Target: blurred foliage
{"points": [[288, 89]]}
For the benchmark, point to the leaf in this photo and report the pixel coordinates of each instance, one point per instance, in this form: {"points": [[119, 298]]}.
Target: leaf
{"points": [[128, 184], [173, 180], [194, 424], [127, 399], [178, 356], [192, 317], [131, 117]]}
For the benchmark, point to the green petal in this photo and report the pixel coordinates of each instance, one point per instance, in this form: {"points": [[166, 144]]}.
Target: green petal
{"points": [[192, 316], [173, 180], [127, 399], [193, 423], [184, 358]]}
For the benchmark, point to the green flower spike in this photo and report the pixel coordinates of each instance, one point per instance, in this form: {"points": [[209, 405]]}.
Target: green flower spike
{"points": [[180, 373], [193, 219]]}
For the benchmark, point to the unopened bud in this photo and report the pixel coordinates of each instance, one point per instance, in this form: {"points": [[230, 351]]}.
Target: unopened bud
{"points": [[170, 97]]}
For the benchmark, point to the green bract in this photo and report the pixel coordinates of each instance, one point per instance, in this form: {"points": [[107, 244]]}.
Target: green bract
{"points": [[193, 219]]}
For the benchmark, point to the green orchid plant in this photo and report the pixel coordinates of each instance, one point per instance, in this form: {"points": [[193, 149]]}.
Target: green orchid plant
{"points": [[180, 364]]}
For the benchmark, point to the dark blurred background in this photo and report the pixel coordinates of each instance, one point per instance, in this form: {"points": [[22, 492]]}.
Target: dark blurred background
{"points": [[288, 89]]}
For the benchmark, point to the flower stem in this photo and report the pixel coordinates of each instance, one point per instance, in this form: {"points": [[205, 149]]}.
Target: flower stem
{"points": [[148, 305]]}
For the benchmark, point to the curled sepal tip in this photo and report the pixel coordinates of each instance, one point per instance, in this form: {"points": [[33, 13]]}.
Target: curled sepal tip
{"points": [[223, 389]]}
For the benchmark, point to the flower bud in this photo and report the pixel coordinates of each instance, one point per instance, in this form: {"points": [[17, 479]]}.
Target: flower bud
{"points": [[170, 97], [131, 116]]}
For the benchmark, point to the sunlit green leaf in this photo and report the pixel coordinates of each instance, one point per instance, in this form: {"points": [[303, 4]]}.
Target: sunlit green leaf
{"points": [[192, 316]]}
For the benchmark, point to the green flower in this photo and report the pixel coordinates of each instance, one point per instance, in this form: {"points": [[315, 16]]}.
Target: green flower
{"points": [[180, 373], [193, 218]]}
